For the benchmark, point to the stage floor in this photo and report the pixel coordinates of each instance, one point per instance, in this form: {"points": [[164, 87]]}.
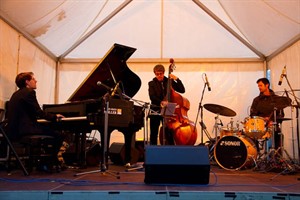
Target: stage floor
{"points": [[223, 184]]}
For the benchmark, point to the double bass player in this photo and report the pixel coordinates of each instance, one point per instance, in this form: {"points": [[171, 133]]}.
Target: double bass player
{"points": [[157, 89]]}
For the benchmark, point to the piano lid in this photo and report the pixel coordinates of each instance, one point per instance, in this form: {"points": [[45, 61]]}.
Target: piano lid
{"points": [[112, 66]]}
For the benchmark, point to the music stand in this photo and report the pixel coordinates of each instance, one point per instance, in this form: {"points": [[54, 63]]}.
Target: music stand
{"points": [[146, 113], [103, 167], [167, 111]]}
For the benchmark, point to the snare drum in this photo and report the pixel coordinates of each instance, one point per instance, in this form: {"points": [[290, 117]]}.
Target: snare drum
{"points": [[229, 132], [234, 153], [254, 127]]}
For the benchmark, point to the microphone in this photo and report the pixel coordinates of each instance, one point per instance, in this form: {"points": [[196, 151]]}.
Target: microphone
{"points": [[208, 86], [115, 89], [282, 75], [99, 83]]}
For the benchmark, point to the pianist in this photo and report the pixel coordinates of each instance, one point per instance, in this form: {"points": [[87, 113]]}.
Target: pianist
{"points": [[23, 110]]}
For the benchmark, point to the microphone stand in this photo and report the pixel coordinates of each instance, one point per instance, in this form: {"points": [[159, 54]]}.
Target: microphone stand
{"points": [[297, 106], [200, 109], [289, 164]]}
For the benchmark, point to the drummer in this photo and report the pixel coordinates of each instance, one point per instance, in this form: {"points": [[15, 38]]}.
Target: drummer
{"points": [[263, 106]]}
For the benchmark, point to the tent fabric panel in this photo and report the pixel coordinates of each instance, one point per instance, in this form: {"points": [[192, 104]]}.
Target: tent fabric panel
{"points": [[17, 55], [265, 24], [154, 27], [8, 61], [127, 27], [202, 36]]}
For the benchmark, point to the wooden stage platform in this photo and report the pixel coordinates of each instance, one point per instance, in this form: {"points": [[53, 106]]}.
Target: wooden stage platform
{"points": [[223, 184]]}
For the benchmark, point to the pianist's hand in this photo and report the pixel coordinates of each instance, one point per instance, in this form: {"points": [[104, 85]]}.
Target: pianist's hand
{"points": [[59, 116]]}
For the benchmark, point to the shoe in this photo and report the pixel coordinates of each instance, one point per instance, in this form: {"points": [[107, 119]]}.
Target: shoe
{"points": [[127, 165]]}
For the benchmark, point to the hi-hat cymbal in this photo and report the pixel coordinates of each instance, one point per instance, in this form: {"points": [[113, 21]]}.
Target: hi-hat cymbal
{"points": [[221, 110], [283, 119]]}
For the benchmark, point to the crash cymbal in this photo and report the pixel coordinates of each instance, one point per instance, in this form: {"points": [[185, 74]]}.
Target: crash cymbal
{"points": [[281, 102], [221, 110]]}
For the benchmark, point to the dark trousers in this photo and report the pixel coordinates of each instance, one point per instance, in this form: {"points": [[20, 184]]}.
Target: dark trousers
{"points": [[167, 138], [155, 122]]}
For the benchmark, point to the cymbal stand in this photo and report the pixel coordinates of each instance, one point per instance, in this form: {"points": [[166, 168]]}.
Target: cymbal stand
{"points": [[103, 165], [216, 126], [269, 159], [213, 140], [275, 156], [288, 164], [285, 159]]}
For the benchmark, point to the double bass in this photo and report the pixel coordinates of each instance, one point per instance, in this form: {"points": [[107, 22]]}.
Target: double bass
{"points": [[181, 128]]}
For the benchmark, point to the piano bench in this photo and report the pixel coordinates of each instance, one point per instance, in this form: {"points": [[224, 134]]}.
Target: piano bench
{"points": [[40, 151]]}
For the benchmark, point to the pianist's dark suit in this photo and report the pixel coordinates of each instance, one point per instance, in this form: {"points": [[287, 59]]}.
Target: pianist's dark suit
{"points": [[22, 113]]}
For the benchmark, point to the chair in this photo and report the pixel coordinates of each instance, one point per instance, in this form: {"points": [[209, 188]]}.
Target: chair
{"points": [[10, 149], [36, 151], [4, 148]]}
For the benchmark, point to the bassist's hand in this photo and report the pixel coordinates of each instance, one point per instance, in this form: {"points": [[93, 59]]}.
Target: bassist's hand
{"points": [[172, 76]]}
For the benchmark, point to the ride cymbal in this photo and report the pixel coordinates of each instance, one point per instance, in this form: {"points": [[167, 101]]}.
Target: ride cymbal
{"points": [[221, 110], [281, 102]]}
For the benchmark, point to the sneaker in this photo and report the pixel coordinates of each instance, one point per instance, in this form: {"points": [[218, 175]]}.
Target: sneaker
{"points": [[127, 165]]}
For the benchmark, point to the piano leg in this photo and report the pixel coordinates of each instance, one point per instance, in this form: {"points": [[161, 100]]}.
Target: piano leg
{"points": [[104, 163], [128, 139]]}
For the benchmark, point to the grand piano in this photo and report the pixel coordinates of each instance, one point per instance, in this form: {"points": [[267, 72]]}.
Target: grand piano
{"points": [[109, 86]]}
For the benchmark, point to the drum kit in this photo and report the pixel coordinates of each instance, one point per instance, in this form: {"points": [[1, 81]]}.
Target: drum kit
{"points": [[236, 148]]}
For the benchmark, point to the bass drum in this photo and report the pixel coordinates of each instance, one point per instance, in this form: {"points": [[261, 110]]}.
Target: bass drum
{"points": [[235, 152]]}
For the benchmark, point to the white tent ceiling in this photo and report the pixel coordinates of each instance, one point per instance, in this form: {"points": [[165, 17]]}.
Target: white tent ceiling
{"points": [[157, 28]]}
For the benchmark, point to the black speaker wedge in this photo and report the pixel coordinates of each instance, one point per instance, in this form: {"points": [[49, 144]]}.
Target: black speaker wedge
{"points": [[176, 164]]}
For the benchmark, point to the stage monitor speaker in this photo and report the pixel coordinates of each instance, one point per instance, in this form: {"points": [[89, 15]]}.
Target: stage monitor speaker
{"points": [[117, 154], [177, 164]]}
